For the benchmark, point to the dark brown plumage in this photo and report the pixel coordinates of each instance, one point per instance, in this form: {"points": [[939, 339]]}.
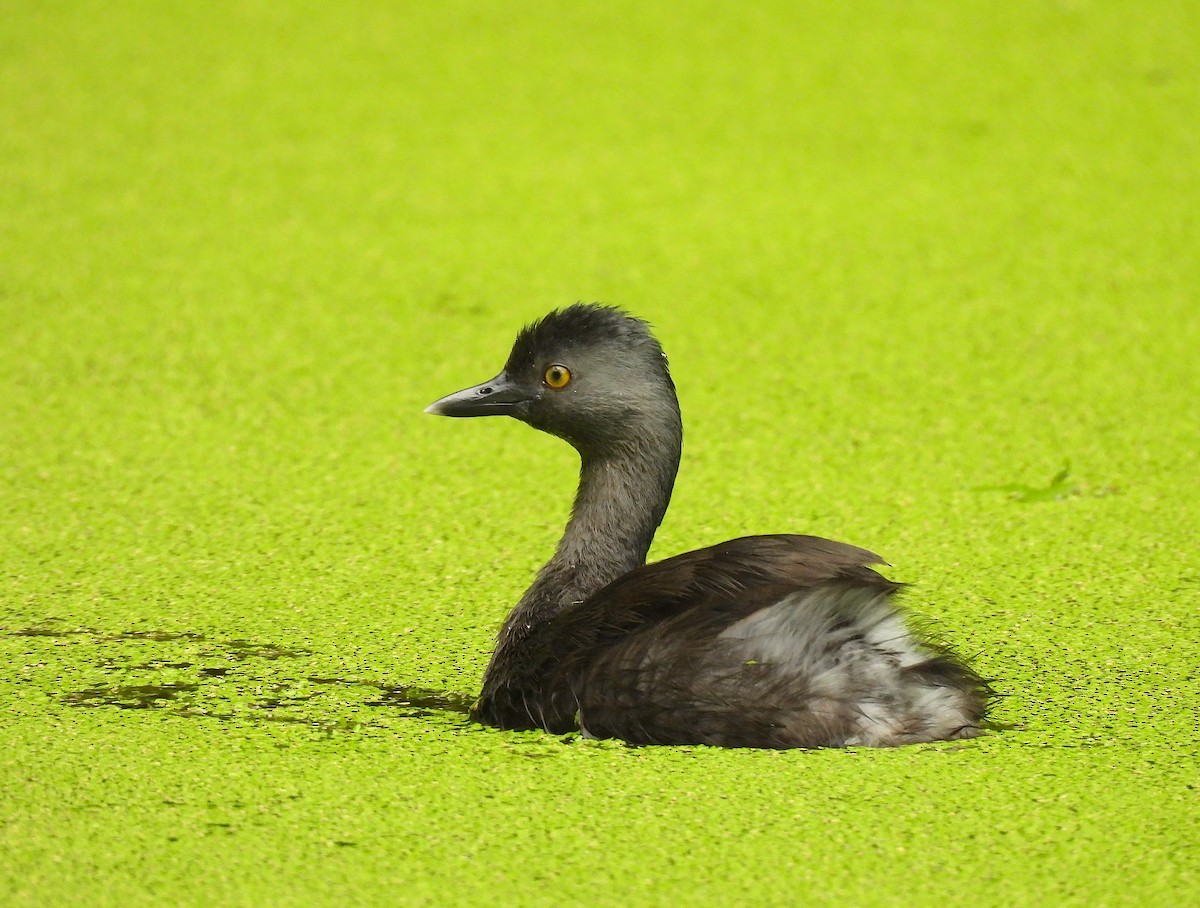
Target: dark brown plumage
{"points": [[764, 641]]}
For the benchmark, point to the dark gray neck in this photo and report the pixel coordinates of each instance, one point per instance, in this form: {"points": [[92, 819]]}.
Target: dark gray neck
{"points": [[621, 500], [623, 494]]}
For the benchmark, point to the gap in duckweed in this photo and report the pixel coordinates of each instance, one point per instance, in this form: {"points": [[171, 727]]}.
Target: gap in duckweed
{"points": [[52, 627], [162, 663], [420, 700], [237, 648], [155, 635], [235, 691], [401, 701], [47, 630], [129, 696], [246, 649]]}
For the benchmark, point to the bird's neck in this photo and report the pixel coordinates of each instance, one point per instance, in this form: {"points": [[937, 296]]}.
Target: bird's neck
{"points": [[621, 500], [623, 494]]}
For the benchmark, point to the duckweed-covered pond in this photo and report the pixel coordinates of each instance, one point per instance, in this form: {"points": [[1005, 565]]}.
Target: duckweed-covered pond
{"points": [[928, 278]]}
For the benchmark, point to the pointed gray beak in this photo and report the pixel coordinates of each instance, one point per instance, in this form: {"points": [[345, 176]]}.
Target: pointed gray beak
{"points": [[498, 397]]}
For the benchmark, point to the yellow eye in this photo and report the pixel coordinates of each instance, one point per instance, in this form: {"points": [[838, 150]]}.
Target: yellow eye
{"points": [[557, 376]]}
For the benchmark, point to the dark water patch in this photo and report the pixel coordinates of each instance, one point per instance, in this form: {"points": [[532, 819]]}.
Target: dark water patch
{"points": [[129, 696], [246, 649], [234, 692], [416, 701], [161, 663], [422, 701], [196, 712], [236, 650], [157, 636], [282, 702], [46, 629], [191, 701]]}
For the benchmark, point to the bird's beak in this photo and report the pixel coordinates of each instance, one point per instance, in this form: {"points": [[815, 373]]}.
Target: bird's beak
{"points": [[498, 397]]}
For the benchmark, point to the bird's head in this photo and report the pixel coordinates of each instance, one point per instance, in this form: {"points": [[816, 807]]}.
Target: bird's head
{"points": [[590, 374]]}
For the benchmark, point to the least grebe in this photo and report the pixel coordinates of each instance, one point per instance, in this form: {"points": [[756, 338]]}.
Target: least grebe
{"points": [[764, 641]]}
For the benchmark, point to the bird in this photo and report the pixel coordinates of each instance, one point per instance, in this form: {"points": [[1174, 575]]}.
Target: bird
{"points": [[771, 641]]}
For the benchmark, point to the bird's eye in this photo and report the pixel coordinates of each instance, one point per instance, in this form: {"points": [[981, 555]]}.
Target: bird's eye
{"points": [[557, 376]]}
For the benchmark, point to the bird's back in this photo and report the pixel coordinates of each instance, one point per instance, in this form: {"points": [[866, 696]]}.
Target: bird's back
{"points": [[763, 641]]}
